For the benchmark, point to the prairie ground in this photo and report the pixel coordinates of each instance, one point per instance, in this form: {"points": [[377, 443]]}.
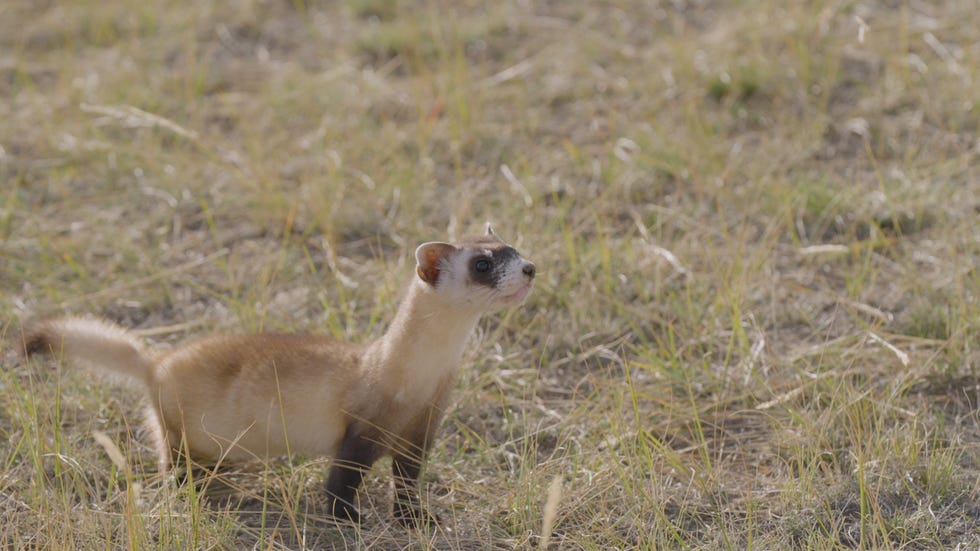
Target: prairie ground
{"points": [[755, 225]]}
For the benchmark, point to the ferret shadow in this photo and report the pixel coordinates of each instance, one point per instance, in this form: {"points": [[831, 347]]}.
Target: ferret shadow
{"points": [[276, 503], [273, 498]]}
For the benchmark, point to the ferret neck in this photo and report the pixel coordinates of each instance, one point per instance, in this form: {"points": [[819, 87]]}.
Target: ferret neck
{"points": [[423, 345]]}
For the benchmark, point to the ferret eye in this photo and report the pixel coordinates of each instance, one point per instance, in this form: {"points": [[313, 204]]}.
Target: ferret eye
{"points": [[482, 265]]}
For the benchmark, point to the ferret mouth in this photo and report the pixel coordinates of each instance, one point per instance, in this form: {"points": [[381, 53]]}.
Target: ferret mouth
{"points": [[520, 294]]}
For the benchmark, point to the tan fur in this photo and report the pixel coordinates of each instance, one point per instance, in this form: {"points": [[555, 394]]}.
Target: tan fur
{"points": [[236, 398]]}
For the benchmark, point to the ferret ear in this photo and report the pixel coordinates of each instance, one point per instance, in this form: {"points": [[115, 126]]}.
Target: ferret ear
{"points": [[489, 229], [429, 257]]}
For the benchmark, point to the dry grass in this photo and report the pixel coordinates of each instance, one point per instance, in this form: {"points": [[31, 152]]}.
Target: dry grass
{"points": [[755, 223]]}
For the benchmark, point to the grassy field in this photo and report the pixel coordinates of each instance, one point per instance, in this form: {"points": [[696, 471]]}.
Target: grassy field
{"points": [[755, 224]]}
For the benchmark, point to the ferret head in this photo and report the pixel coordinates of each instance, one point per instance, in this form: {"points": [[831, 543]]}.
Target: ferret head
{"points": [[481, 272]]}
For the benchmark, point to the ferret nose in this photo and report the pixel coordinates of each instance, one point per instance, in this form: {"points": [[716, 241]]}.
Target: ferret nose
{"points": [[528, 269]]}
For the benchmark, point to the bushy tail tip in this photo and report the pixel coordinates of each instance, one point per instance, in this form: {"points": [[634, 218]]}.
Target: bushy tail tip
{"points": [[94, 343]]}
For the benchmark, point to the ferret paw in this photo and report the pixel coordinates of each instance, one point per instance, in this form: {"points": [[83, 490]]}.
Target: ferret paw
{"points": [[412, 515], [343, 511]]}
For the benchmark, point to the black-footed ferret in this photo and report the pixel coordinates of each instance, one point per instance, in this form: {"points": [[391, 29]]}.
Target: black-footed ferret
{"points": [[233, 398]]}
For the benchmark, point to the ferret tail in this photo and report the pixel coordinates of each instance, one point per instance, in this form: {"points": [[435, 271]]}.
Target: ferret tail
{"points": [[95, 344]]}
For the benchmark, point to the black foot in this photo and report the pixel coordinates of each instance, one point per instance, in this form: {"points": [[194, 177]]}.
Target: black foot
{"points": [[344, 512], [412, 515]]}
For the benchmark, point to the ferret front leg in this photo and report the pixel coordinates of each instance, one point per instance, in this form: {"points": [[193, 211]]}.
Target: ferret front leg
{"points": [[407, 510], [354, 458], [406, 464]]}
